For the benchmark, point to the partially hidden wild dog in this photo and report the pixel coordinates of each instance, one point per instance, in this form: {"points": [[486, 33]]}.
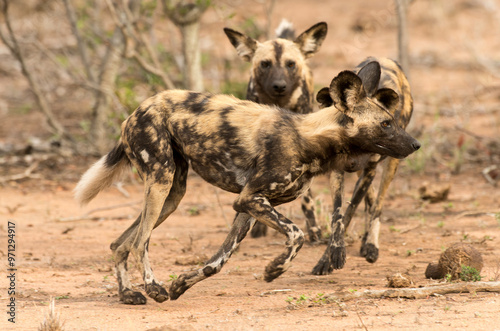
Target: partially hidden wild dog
{"points": [[265, 154], [391, 76], [281, 76]]}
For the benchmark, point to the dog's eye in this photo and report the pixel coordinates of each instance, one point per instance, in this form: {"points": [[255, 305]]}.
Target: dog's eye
{"points": [[265, 64], [386, 124], [290, 64]]}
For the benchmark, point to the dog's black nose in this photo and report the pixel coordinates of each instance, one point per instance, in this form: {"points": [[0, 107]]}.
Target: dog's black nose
{"points": [[416, 145], [279, 86]]}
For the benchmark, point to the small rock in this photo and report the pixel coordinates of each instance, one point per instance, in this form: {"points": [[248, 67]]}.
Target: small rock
{"points": [[398, 280], [434, 192], [452, 260]]}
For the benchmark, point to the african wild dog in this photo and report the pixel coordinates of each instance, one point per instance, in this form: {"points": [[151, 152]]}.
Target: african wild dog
{"points": [[267, 155], [392, 77], [280, 76]]}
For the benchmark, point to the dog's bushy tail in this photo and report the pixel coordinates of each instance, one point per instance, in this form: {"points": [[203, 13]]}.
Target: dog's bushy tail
{"points": [[285, 30], [101, 175]]}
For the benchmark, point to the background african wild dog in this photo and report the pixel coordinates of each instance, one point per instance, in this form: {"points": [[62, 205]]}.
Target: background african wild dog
{"points": [[280, 76], [392, 77], [267, 155]]}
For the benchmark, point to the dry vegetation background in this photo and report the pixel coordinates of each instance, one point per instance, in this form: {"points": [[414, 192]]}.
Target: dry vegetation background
{"points": [[92, 62]]}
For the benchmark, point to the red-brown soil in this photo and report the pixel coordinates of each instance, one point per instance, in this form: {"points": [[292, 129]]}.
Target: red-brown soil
{"points": [[456, 118]]}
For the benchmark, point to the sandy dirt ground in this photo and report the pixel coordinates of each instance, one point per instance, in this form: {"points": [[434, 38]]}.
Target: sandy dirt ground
{"points": [[62, 250]]}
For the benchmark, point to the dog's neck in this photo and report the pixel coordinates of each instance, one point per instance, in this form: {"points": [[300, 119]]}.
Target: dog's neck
{"points": [[324, 131]]}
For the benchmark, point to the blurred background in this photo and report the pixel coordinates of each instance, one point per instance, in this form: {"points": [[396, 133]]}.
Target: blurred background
{"points": [[72, 70]]}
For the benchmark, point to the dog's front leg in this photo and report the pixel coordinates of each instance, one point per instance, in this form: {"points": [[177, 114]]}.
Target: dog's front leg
{"points": [[335, 254], [370, 243], [241, 225], [261, 209]]}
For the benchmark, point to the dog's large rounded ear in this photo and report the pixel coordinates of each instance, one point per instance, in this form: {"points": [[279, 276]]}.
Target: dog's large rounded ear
{"points": [[323, 97], [387, 97], [370, 76], [309, 41], [245, 46], [346, 90]]}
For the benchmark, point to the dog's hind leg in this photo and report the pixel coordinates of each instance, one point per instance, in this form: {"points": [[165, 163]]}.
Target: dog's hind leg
{"points": [[137, 242], [241, 225], [122, 245], [155, 196], [370, 244], [176, 194]]}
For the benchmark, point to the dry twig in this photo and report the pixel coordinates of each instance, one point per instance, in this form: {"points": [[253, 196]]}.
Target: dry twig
{"points": [[10, 40], [26, 174], [476, 214], [124, 20], [92, 218], [418, 293], [87, 217]]}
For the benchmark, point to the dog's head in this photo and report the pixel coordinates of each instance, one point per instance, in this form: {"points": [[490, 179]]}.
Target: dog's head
{"points": [[278, 65], [369, 123]]}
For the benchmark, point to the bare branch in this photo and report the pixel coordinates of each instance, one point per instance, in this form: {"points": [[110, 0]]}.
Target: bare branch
{"points": [[70, 12], [402, 11], [79, 79], [42, 102], [419, 293], [93, 218], [269, 15], [87, 216], [124, 21], [26, 174], [106, 80], [186, 16]]}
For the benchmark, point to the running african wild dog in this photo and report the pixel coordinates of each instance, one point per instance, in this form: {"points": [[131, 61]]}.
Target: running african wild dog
{"points": [[264, 154], [280, 76], [391, 76]]}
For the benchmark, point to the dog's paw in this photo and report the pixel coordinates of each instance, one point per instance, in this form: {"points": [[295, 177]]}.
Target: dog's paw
{"points": [[338, 257], [323, 267], [156, 292], [130, 297], [369, 252], [314, 235]]}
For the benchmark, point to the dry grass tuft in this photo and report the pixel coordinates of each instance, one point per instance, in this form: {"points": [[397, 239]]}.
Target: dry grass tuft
{"points": [[52, 320]]}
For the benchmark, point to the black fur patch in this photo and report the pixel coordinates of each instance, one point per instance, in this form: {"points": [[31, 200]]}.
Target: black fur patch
{"points": [[278, 50], [115, 156], [195, 103]]}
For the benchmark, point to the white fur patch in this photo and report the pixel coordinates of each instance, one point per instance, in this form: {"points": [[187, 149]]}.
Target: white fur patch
{"points": [[145, 156], [284, 25], [309, 46], [288, 177], [296, 94], [122, 272], [244, 52], [97, 178], [373, 233]]}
